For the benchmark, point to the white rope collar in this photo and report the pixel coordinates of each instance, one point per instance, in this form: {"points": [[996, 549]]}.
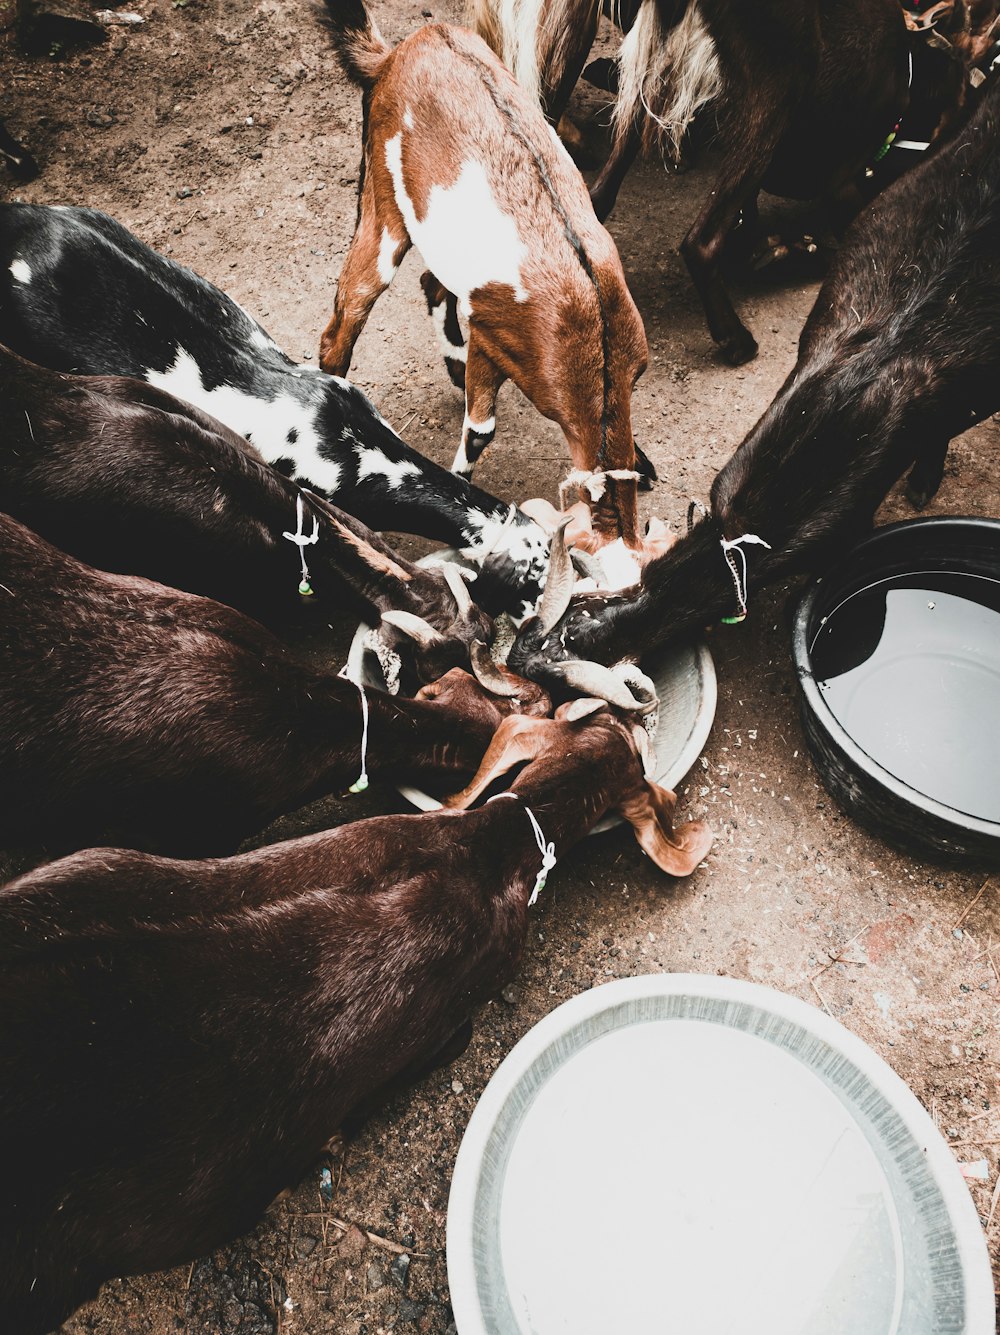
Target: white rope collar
{"points": [[547, 850], [302, 542], [596, 483], [738, 572], [361, 782]]}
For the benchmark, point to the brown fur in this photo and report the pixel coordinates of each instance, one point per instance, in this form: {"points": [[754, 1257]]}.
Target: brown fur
{"points": [[183, 1045], [576, 346], [136, 714]]}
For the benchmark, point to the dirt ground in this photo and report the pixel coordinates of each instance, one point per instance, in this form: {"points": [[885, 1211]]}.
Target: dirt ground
{"points": [[224, 135]]}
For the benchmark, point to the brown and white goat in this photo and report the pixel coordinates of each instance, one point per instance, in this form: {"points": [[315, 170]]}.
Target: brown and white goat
{"points": [[132, 713], [460, 162], [181, 1040], [130, 479]]}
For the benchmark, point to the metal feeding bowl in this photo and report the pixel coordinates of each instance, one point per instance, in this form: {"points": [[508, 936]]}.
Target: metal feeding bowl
{"points": [[897, 652], [686, 690], [692, 1154]]}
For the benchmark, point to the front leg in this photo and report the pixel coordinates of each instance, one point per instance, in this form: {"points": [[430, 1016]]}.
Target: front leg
{"points": [[927, 472], [736, 189], [482, 384], [376, 252]]}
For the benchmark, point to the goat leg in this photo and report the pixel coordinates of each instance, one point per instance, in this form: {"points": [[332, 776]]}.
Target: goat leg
{"points": [[927, 471], [442, 307], [483, 379], [624, 151], [736, 188], [370, 267]]}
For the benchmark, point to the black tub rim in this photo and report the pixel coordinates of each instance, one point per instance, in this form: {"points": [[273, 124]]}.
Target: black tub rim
{"points": [[837, 735]]}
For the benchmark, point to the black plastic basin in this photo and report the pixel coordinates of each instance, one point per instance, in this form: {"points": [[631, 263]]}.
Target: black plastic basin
{"points": [[897, 651]]}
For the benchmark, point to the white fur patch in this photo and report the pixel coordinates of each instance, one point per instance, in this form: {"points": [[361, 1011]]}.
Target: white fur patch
{"points": [[439, 316], [669, 75], [372, 460], [408, 118], [619, 564], [266, 422], [486, 428], [460, 464], [387, 257], [465, 238], [21, 271], [525, 544]]}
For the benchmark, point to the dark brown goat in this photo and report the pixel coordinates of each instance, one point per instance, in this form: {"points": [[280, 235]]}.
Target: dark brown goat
{"points": [[130, 479], [132, 713], [899, 355], [805, 94], [182, 1039]]}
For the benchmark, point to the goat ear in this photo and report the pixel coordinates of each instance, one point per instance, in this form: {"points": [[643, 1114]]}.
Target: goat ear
{"points": [[651, 814], [517, 739]]}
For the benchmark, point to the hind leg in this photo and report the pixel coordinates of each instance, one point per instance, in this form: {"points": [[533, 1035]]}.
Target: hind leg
{"points": [[482, 384], [376, 252], [442, 307], [926, 474]]}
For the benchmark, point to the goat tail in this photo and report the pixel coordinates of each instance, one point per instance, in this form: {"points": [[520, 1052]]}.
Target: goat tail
{"points": [[512, 29], [666, 74], [360, 46]]}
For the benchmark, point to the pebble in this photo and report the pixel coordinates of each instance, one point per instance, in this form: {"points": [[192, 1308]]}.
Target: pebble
{"points": [[375, 1278], [185, 192], [457, 1086], [100, 118], [305, 1246], [399, 1271], [511, 995]]}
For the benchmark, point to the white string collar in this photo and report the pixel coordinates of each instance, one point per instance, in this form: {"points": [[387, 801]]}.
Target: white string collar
{"points": [[361, 782], [302, 542], [547, 850]]}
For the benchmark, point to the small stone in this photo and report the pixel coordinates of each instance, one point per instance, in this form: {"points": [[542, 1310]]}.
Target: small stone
{"points": [[375, 1278], [457, 1086], [185, 192], [958, 933], [410, 1311], [511, 995], [305, 1246], [399, 1271], [100, 118]]}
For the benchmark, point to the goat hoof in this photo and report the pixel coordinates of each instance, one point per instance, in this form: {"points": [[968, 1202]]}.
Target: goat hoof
{"points": [[739, 349], [917, 497]]}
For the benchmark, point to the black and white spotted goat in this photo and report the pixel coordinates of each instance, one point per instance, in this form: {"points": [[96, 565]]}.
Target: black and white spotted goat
{"points": [[80, 293]]}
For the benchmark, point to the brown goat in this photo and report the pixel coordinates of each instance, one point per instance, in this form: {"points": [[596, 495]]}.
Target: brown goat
{"points": [[460, 162], [132, 713], [182, 1039], [130, 479]]}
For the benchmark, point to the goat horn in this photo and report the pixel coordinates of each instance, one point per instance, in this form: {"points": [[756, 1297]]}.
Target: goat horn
{"points": [[416, 627], [594, 679], [488, 674], [559, 581], [459, 588], [583, 708]]}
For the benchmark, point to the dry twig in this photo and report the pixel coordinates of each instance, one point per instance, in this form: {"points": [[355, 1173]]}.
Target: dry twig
{"points": [[969, 907]]}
